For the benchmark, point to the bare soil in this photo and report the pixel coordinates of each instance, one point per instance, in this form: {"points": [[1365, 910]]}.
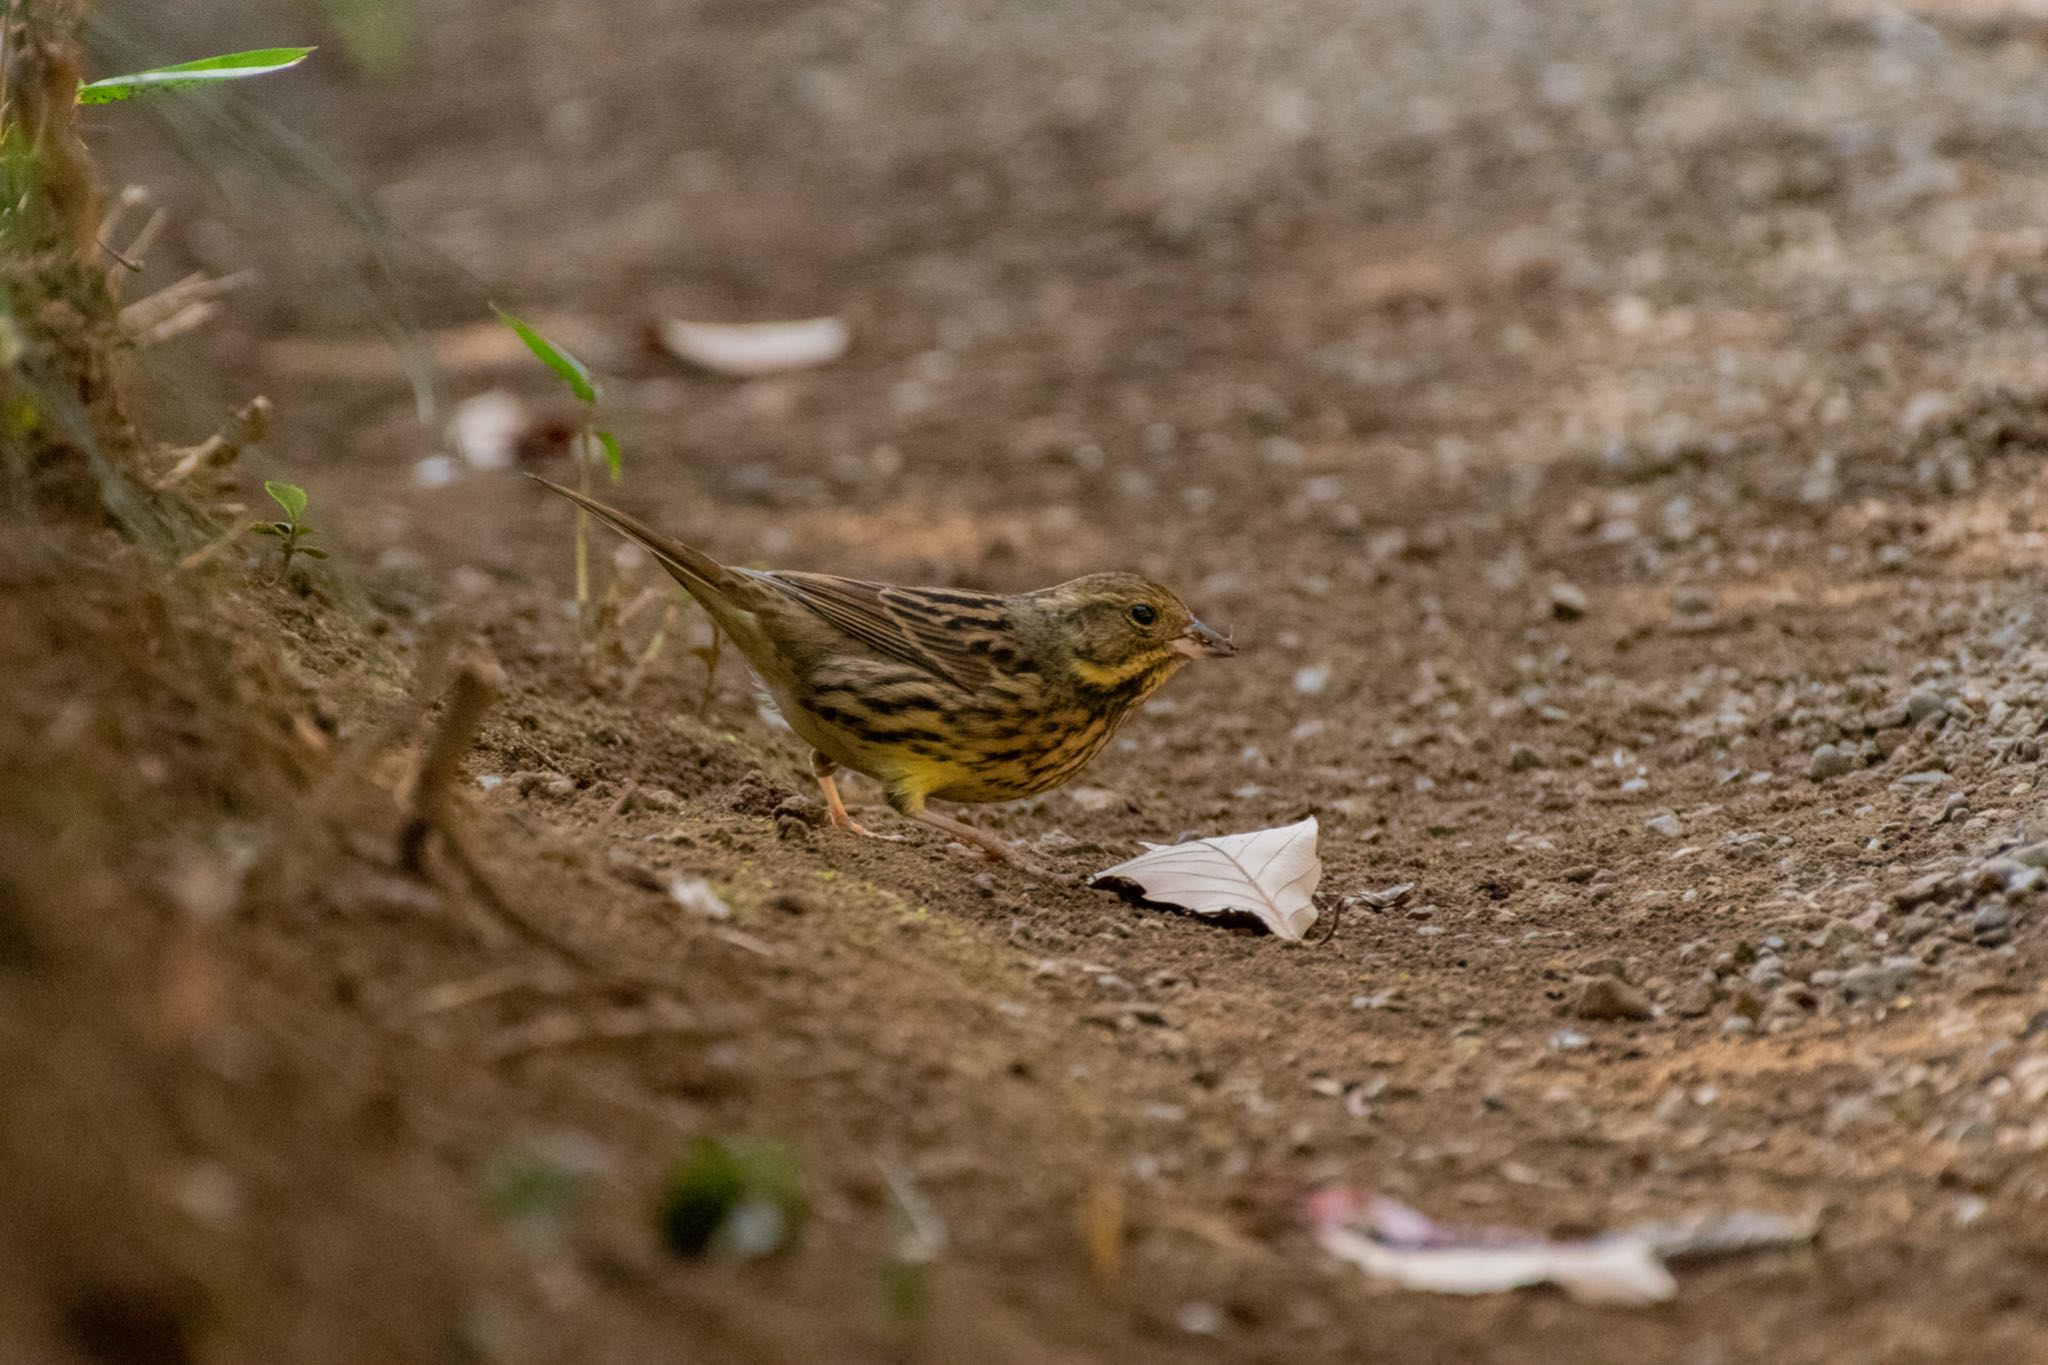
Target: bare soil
{"points": [[1581, 415]]}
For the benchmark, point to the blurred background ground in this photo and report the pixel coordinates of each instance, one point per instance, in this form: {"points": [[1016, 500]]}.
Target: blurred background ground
{"points": [[1615, 432]]}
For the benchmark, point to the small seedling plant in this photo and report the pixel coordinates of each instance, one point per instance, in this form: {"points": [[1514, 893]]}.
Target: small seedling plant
{"points": [[591, 439], [576, 375], [291, 533]]}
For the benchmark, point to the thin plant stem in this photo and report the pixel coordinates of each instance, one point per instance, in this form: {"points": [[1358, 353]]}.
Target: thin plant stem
{"points": [[650, 654], [711, 657], [583, 439]]}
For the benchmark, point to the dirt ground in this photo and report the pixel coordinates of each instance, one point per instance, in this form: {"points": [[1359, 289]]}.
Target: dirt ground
{"points": [[1615, 434]]}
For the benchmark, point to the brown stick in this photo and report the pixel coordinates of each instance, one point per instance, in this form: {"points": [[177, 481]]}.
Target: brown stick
{"points": [[1336, 918], [471, 694], [246, 428]]}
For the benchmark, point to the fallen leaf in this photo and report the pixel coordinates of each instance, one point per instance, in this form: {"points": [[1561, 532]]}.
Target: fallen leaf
{"points": [[1389, 1240], [1386, 898], [485, 430], [746, 350], [695, 894], [1269, 873], [1393, 1242], [1618, 1270]]}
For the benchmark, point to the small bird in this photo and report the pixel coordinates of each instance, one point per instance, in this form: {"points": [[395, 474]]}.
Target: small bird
{"points": [[941, 692]]}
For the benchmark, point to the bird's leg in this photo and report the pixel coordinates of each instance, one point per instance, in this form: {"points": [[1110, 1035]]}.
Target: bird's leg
{"points": [[999, 849], [823, 768]]}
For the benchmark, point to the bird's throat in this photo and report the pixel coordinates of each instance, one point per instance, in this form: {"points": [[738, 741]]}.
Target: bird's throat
{"points": [[1131, 675]]}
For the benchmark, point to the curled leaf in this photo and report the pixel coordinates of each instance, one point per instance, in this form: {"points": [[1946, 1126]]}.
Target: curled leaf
{"points": [[746, 350], [289, 496], [1270, 874]]}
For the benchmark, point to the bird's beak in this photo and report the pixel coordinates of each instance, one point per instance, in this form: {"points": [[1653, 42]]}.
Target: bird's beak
{"points": [[1200, 642]]}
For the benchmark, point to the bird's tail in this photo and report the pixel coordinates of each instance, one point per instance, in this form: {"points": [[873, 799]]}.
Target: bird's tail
{"points": [[692, 568]]}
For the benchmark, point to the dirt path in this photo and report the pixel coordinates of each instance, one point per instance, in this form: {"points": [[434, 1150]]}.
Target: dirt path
{"points": [[1616, 437]]}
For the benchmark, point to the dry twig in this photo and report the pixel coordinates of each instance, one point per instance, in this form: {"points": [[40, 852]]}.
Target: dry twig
{"points": [[179, 307], [471, 691], [470, 695], [1336, 918], [246, 428]]}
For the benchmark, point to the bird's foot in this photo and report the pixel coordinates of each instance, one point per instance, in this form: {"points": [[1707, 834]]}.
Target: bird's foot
{"points": [[990, 846], [835, 808]]}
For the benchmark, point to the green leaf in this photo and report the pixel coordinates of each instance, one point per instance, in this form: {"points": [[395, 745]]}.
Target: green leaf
{"points": [[289, 496], [554, 357], [271, 528], [312, 552], [232, 66], [612, 459]]}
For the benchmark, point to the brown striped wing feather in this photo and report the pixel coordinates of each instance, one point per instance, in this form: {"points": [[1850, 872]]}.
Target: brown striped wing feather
{"points": [[961, 637]]}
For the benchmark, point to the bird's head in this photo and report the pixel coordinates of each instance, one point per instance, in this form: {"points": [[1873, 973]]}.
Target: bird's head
{"points": [[1123, 631]]}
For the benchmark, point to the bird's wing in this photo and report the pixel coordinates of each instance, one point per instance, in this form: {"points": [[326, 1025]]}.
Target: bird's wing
{"points": [[959, 636]]}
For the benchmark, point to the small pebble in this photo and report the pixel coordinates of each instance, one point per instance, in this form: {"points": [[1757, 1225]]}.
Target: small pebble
{"points": [[1924, 703], [1568, 603], [1312, 681], [1609, 997], [1830, 762], [1694, 1001]]}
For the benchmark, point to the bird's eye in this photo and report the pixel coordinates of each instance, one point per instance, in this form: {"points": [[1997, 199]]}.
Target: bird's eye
{"points": [[1143, 614]]}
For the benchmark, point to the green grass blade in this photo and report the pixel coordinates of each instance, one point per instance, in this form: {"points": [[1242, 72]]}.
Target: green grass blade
{"points": [[554, 357], [232, 66], [613, 460]]}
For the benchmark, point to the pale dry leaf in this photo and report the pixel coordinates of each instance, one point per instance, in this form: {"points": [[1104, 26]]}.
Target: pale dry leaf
{"points": [[1391, 1241], [1270, 874], [1386, 898], [1614, 1270], [485, 429], [747, 350], [695, 894]]}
